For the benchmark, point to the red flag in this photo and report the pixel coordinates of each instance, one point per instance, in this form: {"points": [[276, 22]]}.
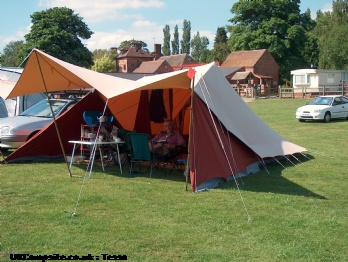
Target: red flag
{"points": [[191, 73]]}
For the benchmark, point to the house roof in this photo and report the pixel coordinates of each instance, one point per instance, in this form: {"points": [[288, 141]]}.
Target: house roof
{"points": [[158, 66], [178, 60], [262, 76], [229, 70], [241, 75], [244, 58], [133, 52]]}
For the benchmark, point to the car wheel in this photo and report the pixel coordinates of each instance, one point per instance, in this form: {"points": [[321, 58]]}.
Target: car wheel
{"points": [[301, 120], [3, 149], [327, 117], [32, 134]]}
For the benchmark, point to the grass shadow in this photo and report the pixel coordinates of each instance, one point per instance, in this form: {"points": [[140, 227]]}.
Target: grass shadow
{"points": [[144, 172], [272, 181]]}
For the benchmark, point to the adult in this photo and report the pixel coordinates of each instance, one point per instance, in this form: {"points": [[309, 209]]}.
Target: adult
{"points": [[167, 142]]}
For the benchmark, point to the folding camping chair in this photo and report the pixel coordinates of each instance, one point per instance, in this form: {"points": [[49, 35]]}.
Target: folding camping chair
{"points": [[161, 160], [91, 117], [139, 150], [125, 148], [179, 162]]}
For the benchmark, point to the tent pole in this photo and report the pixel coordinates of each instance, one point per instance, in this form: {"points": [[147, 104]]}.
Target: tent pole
{"points": [[190, 132], [54, 117]]}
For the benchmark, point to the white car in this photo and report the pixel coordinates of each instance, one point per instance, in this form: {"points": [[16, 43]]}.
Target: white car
{"points": [[324, 108]]}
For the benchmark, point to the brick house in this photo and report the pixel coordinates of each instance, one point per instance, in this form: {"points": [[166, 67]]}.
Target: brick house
{"points": [[179, 61], [260, 70], [131, 57]]}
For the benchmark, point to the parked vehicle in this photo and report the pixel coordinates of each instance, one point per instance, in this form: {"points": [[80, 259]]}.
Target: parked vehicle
{"points": [[16, 130], [324, 108], [3, 109], [15, 106]]}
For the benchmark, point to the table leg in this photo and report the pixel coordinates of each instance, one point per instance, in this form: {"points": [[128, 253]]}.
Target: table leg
{"points": [[72, 157], [101, 158], [92, 159], [118, 156]]}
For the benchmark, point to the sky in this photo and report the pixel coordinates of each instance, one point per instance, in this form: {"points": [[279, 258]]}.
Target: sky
{"points": [[114, 21]]}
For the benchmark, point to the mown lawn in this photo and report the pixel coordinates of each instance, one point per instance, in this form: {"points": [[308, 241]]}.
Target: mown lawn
{"points": [[299, 213]]}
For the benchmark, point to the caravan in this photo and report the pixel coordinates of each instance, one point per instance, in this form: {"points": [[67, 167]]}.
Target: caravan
{"points": [[15, 106]]}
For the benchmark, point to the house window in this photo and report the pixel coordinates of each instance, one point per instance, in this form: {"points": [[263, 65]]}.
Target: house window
{"points": [[308, 79], [300, 79], [330, 78]]}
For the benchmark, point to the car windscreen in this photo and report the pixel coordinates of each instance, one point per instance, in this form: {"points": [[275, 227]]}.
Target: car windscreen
{"points": [[321, 101], [3, 109], [42, 109]]}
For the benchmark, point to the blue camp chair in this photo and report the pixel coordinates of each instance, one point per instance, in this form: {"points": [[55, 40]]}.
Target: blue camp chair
{"points": [[139, 150], [91, 117]]}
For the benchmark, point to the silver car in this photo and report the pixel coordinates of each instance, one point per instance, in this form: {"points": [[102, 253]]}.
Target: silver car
{"points": [[15, 131]]}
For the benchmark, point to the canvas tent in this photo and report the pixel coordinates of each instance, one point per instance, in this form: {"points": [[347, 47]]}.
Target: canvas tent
{"points": [[227, 137]]}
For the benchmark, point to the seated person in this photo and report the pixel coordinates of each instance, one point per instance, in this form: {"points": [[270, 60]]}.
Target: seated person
{"points": [[167, 142]]}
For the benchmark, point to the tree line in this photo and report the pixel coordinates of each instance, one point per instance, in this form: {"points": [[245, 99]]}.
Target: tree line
{"points": [[294, 39]]}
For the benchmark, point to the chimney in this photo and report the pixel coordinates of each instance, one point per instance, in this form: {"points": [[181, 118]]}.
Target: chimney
{"points": [[157, 48], [136, 45]]}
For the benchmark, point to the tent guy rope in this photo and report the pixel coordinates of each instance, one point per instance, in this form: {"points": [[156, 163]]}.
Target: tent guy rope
{"points": [[90, 163], [222, 146]]}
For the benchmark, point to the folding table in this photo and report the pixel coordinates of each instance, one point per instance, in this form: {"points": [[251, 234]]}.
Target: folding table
{"points": [[95, 145]]}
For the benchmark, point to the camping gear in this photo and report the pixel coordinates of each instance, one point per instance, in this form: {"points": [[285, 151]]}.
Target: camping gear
{"points": [[140, 152]]}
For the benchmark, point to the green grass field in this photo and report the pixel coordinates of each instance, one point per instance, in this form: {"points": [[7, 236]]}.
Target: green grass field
{"points": [[298, 213]]}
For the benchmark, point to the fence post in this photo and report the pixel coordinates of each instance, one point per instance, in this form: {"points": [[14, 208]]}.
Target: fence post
{"points": [[323, 90], [343, 91], [280, 92]]}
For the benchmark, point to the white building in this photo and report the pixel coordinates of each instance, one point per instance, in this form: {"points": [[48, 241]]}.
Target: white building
{"points": [[317, 80]]}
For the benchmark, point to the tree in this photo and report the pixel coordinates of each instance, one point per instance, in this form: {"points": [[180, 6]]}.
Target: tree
{"points": [[274, 25], [104, 64], [175, 42], [129, 42], [221, 36], [166, 40], [186, 37], [57, 31], [104, 60], [331, 31], [9, 57], [199, 46], [337, 48], [99, 53], [221, 49]]}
